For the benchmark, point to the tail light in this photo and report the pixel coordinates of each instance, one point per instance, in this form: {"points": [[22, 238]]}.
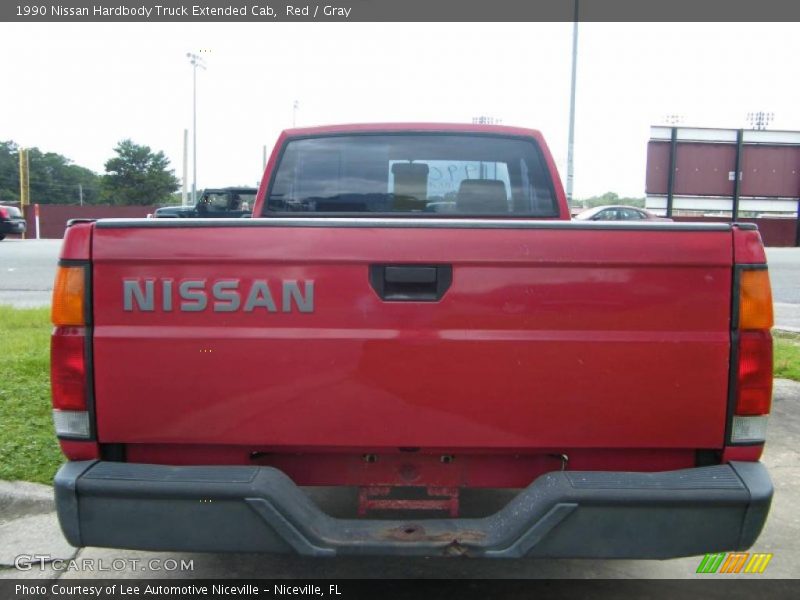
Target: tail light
{"points": [[755, 299], [752, 365], [754, 377], [69, 296], [69, 373], [3, 212]]}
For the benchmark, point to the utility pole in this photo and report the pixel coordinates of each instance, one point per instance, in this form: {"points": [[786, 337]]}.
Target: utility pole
{"points": [[196, 61], [571, 140], [263, 159], [184, 186], [24, 182], [295, 107], [80, 193]]}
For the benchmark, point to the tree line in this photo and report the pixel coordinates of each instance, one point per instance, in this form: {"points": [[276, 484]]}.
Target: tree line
{"points": [[135, 175]]}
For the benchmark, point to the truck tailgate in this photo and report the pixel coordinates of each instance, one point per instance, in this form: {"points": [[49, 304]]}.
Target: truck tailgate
{"points": [[551, 335]]}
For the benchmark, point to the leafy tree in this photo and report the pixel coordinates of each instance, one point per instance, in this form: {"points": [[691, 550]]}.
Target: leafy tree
{"points": [[9, 172], [175, 199], [55, 180], [137, 175], [53, 177]]}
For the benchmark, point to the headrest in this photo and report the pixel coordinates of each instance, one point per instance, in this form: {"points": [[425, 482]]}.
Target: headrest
{"points": [[481, 196]]}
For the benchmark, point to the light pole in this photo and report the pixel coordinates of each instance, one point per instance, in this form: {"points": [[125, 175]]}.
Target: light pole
{"points": [[486, 120], [196, 61], [760, 120], [571, 139], [673, 119]]}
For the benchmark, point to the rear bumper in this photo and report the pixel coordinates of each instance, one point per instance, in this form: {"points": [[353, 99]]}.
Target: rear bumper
{"points": [[561, 514], [12, 226]]}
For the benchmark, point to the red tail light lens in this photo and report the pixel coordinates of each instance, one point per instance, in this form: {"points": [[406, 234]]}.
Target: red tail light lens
{"points": [[754, 389], [68, 368], [3, 213]]}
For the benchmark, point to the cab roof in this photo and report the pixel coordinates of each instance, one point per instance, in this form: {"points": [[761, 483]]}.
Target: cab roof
{"points": [[410, 127]]}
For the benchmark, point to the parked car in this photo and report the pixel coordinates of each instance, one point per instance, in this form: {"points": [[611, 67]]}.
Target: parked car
{"points": [[618, 213], [206, 371], [213, 203], [11, 221]]}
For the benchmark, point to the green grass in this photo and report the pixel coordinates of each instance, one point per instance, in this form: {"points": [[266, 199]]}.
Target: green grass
{"points": [[28, 447], [787, 355]]}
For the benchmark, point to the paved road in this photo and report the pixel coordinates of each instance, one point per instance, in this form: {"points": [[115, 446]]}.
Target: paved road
{"points": [[784, 268], [27, 269], [781, 537]]}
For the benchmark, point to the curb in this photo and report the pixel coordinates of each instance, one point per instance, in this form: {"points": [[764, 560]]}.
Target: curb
{"points": [[24, 496]]}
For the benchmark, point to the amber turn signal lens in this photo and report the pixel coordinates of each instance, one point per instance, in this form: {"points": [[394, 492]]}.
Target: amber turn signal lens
{"points": [[68, 296], [755, 300]]}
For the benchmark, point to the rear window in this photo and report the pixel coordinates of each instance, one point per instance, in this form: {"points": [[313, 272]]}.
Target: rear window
{"points": [[13, 212], [412, 173]]}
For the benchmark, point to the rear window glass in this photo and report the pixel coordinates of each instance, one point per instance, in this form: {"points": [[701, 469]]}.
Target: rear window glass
{"points": [[13, 211], [449, 174]]}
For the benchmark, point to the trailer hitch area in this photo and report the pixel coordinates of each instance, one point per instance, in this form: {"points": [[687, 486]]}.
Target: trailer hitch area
{"points": [[385, 497], [416, 532]]}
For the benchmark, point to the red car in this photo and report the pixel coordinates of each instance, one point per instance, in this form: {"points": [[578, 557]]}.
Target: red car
{"points": [[412, 312], [11, 221]]}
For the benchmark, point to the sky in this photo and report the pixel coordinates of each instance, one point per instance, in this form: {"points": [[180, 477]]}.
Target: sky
{"points": [[80, 88]]}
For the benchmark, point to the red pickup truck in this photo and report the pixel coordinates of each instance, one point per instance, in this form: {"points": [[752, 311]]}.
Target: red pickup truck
{"points": [[411, 314]]}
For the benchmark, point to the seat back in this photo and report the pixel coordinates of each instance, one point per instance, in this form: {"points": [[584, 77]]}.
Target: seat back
{"points": [[482, 196]]}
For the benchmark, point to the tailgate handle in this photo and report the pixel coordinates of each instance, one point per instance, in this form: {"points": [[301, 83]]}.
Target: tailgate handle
{"points": [[410, 274], [410, 283]]}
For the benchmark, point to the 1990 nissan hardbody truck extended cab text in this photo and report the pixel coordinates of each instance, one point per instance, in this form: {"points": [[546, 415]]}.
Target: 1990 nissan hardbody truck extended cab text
{"points": [[411, 314]]}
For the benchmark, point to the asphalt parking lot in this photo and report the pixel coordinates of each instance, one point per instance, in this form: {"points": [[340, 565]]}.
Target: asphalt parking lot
{"points": [[27, 270], [26, 273]]}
